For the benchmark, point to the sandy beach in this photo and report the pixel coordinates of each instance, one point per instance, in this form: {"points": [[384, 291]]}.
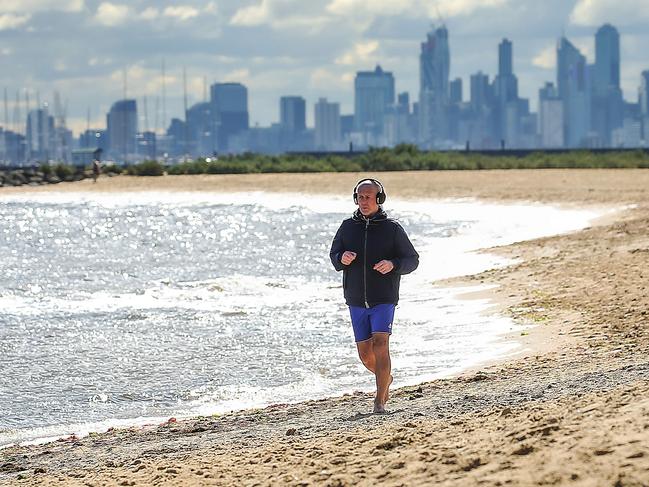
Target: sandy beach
{"points": [[571, 409]]}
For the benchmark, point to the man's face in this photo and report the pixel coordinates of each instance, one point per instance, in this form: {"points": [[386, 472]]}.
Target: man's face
{"points": [[367, 199]]}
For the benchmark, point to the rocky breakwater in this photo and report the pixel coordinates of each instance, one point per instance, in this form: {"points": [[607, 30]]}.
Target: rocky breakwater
{"points": [[38, 177]]}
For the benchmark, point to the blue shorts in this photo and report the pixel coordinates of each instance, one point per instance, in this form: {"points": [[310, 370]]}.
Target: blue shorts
{"points": [[377, 319]]}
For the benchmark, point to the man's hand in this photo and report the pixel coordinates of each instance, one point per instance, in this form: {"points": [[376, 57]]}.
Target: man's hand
{"points": [[384, 266], [348, 257]]}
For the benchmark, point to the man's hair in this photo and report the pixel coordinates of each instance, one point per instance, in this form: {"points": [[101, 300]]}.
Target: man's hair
{"points": [[368, 182]]}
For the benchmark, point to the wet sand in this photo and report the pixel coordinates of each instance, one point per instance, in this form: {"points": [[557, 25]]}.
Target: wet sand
{"points": [[572, 409]]}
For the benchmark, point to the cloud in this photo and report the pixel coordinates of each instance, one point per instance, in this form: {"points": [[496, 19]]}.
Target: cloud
{"points": [[143, 80], [282, 14], [12, 21], [363, 7], [547, 58], [620, 12], [237, 76], [444, 8], [34, 6], [361, 53], [150, 13], [252, 15], [110, 14], [454, 8], [180, 12], [211, 8], [328, 81]]}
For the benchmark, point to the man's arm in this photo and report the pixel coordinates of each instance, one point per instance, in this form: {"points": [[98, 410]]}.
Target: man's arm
{"points": [[407, 259], [337, 250]]}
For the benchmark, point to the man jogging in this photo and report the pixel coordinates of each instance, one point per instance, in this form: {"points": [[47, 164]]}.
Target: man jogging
{"points": [[373, 252]]}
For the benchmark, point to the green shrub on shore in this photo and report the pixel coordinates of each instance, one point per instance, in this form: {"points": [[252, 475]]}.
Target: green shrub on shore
{"points": [[112, 168], [45, 168], [407, 157], [146, 168], [63, 170]]}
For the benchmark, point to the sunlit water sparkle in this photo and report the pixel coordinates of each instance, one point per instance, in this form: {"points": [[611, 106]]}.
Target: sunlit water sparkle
{"points": [[124, 309]]}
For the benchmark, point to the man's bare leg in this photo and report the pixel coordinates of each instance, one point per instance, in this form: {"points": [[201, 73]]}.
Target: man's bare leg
{"points": [[380, 346], [366, 354]]}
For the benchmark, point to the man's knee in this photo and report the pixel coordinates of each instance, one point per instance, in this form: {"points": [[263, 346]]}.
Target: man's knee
{"points": [[380, 342], [365, 351]]}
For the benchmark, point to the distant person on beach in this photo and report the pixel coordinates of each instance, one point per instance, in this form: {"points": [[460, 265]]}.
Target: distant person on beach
{"points": [[96, 170], [373, 251]]}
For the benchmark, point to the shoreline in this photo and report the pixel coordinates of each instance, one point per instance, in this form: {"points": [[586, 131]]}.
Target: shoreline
{"points": [[502, 339], [582, 400]]}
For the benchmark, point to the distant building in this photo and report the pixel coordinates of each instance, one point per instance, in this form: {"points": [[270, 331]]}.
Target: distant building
{"points": [[12, 148], [506, 115], [607, 102], [629, 135], [373, 98], [230, 108], [265, 140], [201, 130], [39, 135], [121, 124], [573, 86], [476, 129], [176, 136], [327, 125], [346, 128], [62, 143], [550, 120], [455, 91], [434, 66], [643, 96], [481, 92], [292, 113], [403, 102], [146, 146], [94, 138]]}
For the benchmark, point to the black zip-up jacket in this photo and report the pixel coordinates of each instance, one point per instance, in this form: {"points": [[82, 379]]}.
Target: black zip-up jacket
{"points": [[375, 239]]}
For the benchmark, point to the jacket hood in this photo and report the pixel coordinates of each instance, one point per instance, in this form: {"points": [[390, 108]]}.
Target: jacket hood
{"points": [[379, 216]]}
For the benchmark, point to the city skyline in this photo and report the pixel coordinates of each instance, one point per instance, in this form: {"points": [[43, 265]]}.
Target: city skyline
{"points": [[365, 36]]}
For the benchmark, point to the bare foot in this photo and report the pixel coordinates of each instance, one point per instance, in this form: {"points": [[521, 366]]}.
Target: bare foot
{"points": [[387, 391], [379, 408]]}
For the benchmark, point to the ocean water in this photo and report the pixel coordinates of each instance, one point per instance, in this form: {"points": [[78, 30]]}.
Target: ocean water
{"points": [[125, 309]]}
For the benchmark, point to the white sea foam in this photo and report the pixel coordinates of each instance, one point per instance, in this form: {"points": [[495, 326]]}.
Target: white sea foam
{"points": [[298, 321]]}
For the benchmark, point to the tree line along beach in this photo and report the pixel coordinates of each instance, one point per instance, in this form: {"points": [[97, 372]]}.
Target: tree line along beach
{"points": [[571, 409]]}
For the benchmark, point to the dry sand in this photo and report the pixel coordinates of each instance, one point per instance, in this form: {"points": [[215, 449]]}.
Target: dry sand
{"points": [[572, 410]]}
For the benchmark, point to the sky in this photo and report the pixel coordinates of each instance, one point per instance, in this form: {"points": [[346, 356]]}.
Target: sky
{"points": [[83, 48]]}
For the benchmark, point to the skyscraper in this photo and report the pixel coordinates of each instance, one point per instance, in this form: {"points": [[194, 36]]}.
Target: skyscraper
{"points": [[506, 94], [477, 129], [230, 108], [505, 58], [643, 101], [292, 113], [456, 91], [550, 117], [573, 86], [121, 123], [434, 66], [480, 92], [607, 59], [201, 130], [39, 135], [327, 125], [644, 93], [607, 102], [373, 97]]}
